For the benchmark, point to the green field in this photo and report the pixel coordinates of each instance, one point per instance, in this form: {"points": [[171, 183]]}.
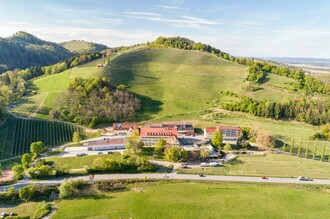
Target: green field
{"points": [[26, 209], [271, 165], [231, 200], [80, 162], [17, 134]]}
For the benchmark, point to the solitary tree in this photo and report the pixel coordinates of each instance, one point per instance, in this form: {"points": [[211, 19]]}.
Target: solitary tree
{"points": [[323, 152], [76, 137], [299, 149], [204, 153], [26, 160], [133, 143], [217, 139], [37, 148], [306, 152], [159, 149], [291, 146], [314, 151], [176, 154]]}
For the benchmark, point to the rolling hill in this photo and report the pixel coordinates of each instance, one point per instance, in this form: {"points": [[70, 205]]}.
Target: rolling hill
{"points": [[81, 46], [175, 84], [23, 50]]}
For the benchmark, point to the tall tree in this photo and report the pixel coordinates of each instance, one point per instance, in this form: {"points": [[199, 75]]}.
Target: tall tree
{"points": [[76, 137], [37, 148], [299, 148], [204, 153], [307, 151], [323, 152], [291, 146], [217, 139], [314, 151], [132, 144], [26, 160]]}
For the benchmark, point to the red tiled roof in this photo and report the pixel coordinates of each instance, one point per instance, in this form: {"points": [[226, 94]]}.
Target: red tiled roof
{"points": [[158, 132], [125, 125]]}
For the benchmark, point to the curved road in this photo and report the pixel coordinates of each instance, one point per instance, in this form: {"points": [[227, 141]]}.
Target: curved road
{"points": [[58, 181]]}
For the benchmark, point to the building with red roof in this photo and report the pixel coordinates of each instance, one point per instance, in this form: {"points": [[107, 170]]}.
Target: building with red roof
{"points": [[151, 135], [125, 128], [230, 134], [184, 128]]}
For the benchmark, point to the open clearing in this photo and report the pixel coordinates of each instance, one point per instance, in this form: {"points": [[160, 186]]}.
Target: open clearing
{"points": [[270, 165], [205, 200]]}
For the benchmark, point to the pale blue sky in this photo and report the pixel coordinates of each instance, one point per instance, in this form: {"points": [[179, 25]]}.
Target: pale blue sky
{"points": [[290, 28]]}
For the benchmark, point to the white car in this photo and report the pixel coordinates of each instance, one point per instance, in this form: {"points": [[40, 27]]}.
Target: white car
{"points": [[214, 164], [166, 176], [203, 165]]}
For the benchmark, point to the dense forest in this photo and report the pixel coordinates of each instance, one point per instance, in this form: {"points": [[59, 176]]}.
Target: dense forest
{"points": [[94, 101], [23, 50]]}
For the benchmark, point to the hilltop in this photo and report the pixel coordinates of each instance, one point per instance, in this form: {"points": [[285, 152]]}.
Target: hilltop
{"points": [[23, 50], [81, 46]]}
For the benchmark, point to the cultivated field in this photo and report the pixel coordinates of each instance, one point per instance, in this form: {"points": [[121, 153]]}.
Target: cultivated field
{"points": [[17, 134], [205, 200]]}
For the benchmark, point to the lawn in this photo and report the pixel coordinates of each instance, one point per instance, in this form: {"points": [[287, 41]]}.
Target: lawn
{"points": [[272, 165], [81, 162], [200, 200], [26, 209]]}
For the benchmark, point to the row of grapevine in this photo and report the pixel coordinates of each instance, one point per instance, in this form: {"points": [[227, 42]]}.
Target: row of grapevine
{"points": [[17, 134]]}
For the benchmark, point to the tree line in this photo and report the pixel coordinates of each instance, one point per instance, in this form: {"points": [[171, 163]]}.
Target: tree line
{"points": [[304, 109], [94, 101]]}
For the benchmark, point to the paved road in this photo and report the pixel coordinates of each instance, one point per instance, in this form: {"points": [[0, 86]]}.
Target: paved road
{"points": [[57, 181]]}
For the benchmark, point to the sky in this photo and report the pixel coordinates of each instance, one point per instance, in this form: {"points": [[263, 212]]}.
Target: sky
{"points": [[251, 28]]}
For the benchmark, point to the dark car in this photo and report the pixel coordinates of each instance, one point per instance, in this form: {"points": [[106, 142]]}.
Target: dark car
{"points": [[201, 175]]}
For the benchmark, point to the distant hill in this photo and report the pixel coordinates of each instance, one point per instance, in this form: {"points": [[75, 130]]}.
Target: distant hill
{"points": [[81, 46], [23, 50]]}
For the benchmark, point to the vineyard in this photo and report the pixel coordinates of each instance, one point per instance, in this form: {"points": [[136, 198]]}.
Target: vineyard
{"points": [[16, 134]]}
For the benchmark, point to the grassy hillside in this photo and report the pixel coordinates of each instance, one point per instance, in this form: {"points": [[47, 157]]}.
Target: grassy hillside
{"points": [[81, 46], [172, 81], [176, 84], [23, 50]]}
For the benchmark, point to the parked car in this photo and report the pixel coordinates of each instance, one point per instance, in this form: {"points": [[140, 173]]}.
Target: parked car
{"points": [[203, 165], [3, 215], [110, 152], [214, 164], [166, 176], [184, 166], [100, 152]]}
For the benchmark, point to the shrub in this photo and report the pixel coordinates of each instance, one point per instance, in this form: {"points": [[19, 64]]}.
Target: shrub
{"points": [[43, 209], [27, 193], [18, 172], [227, 147], [66, 189]]}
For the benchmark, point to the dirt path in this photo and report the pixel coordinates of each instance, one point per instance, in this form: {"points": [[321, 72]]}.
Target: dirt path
{"points": [[41, 104]]}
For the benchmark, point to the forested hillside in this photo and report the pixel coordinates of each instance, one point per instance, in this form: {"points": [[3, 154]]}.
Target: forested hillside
{"points": [[81, 46], [23, 50]]}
